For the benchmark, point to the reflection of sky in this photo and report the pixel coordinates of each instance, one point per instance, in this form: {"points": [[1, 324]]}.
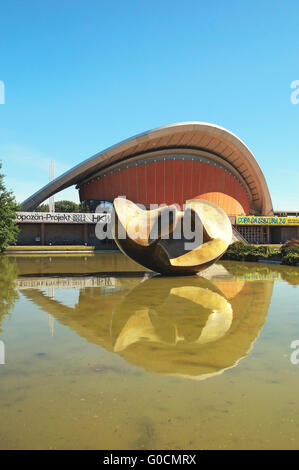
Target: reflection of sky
{"points": [[284, 309], [68, 297]]}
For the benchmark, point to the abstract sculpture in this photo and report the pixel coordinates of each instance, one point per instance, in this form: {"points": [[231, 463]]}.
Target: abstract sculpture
{"points": [[170, 241]]}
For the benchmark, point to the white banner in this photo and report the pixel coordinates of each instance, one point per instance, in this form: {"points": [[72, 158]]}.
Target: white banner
{"points": [[63, 218]]}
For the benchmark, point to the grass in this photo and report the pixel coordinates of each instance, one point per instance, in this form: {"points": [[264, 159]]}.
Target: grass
{"points": [[50, 248]]}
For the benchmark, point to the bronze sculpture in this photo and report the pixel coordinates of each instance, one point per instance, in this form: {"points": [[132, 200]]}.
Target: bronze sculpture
{"points": [[157, 238]]}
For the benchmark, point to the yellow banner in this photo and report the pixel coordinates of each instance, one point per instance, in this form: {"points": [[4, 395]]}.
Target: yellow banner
{"points": [[266, 220]]}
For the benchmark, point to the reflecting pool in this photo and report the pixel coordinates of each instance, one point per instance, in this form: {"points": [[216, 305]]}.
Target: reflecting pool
{"points": [[102, 354]]}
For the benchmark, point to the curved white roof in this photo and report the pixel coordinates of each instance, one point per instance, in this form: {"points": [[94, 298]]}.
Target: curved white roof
{"points": [[193, 134]]}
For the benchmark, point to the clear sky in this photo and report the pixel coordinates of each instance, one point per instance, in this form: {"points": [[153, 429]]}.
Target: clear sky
{"points": [[81, 75]]}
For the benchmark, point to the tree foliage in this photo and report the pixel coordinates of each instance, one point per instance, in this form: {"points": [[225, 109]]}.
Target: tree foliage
{"points": [[42, 208], [8, 227], [67, 206], [61, 206]]}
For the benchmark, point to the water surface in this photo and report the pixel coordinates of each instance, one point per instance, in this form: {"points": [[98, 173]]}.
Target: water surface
{"points": [[101, 354]]}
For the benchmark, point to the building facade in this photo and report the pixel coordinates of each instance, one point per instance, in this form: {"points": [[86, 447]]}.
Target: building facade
{"points": [[172, 164]]}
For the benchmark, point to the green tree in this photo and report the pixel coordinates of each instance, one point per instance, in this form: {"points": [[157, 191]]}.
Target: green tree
{"points": [[42, 208], [66, 206], [8, 227], [60, 206]]}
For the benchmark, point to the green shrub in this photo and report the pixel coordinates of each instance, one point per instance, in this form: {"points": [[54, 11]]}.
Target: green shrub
{"points": [[243, 251], [288, 253], [290, 247], [290, 243], [291, 258]]}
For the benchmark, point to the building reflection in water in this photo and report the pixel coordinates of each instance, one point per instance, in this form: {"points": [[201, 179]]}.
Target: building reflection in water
{"points": [[194, 327]]}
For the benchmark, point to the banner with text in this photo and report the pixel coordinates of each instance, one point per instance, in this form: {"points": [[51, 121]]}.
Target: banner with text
{"points": [[63, 218], [266, 220]]}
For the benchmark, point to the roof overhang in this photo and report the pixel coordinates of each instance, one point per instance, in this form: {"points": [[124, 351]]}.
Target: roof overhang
{"points": [[193, 135]]}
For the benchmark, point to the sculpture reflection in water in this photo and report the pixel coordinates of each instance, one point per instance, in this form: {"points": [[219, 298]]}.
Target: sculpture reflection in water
{"points": [[190, 328], [187, 326]]}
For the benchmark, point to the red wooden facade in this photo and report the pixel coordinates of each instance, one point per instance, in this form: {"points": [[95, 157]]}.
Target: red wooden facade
{"points": [[171, 181]]}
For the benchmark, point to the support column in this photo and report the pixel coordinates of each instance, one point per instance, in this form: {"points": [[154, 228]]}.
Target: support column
{"points": [[42, 233], [86, 233], [261, 234]]}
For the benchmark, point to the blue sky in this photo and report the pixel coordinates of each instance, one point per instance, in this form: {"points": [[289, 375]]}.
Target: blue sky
{"points": [[82, 75]]}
